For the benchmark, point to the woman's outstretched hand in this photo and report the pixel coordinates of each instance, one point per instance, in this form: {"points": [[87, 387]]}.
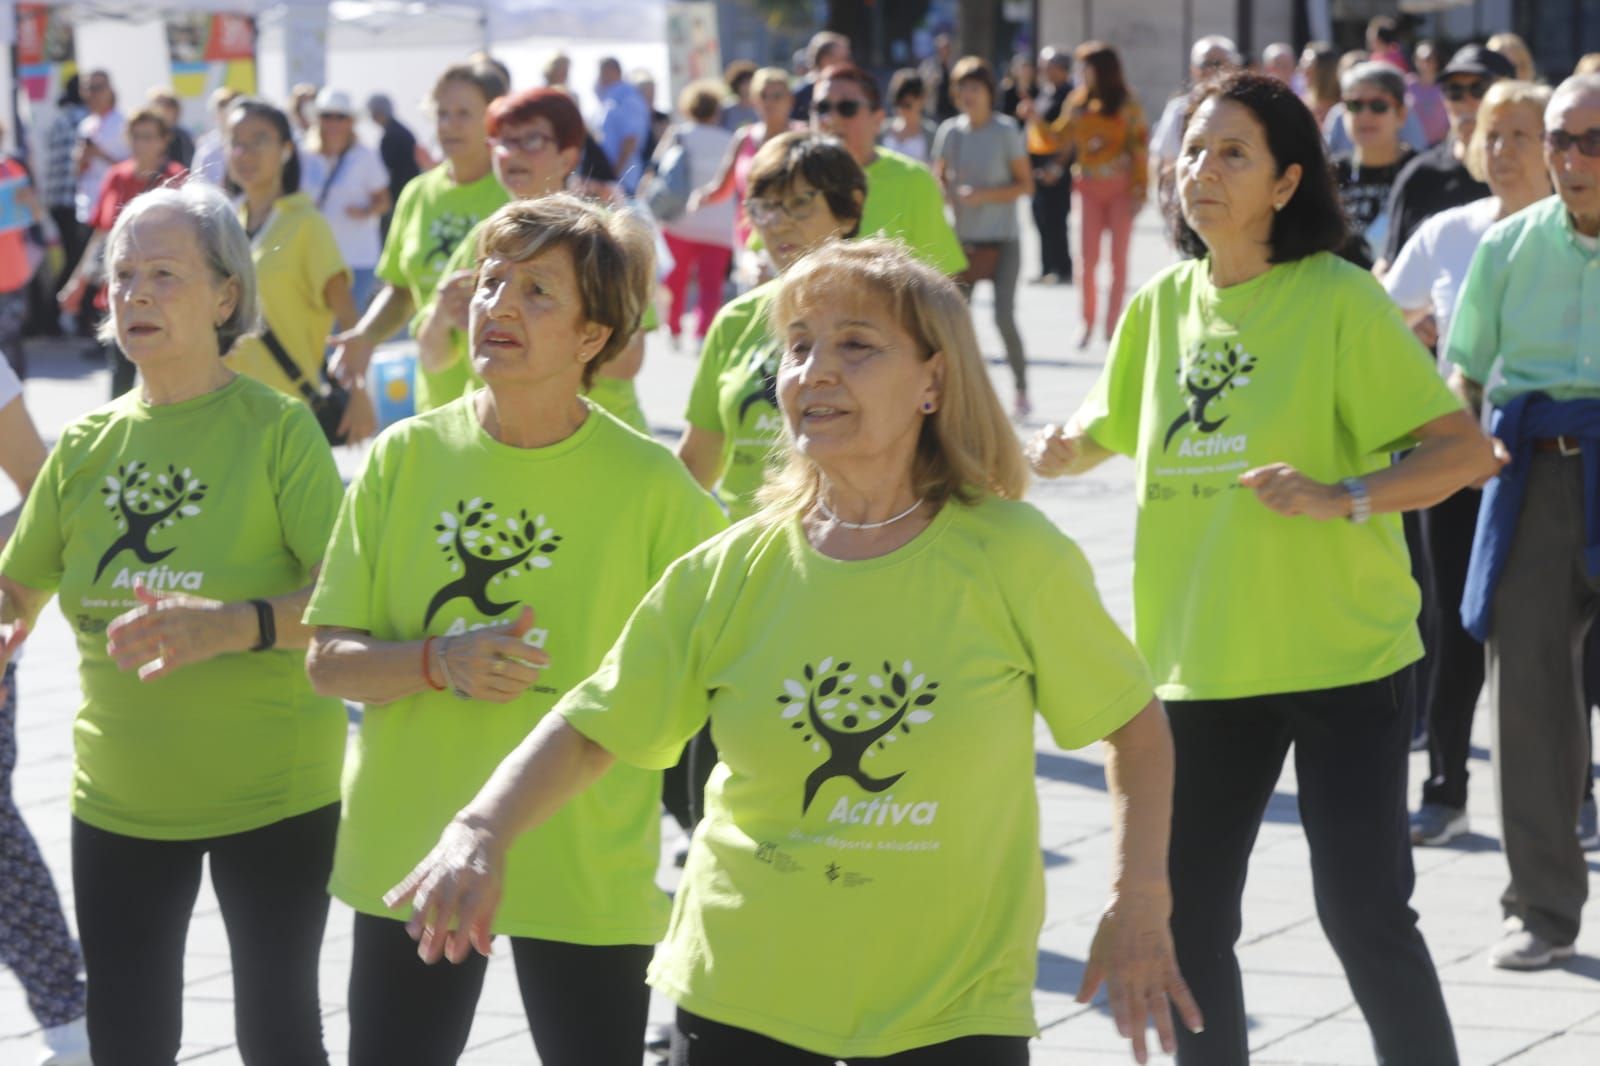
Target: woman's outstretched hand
{"points": [[454, 893], [1133, 956]]}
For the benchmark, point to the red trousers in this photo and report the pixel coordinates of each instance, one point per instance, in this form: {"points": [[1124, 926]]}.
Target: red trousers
{"points": [[708, 263]]}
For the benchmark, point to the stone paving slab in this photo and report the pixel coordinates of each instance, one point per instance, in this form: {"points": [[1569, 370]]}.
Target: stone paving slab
{"points": [[1301, 1010]]}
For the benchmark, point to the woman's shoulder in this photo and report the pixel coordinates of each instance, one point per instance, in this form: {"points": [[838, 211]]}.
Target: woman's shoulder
{"points": [[1013, 524]]}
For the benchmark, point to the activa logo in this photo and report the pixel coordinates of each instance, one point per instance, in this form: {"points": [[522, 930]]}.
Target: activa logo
{"points": [[848, 725], [1205, 379], [483, 548], [142, 503], [883, 811]]}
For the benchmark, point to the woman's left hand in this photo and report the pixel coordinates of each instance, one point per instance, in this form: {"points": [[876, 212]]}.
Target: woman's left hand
{"points": [[1289, 492], [1133, 956], [360, 420], [169, 631]]}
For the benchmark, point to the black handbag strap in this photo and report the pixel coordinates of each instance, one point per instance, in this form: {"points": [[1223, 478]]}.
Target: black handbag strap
{"points": [[327, 184], [290, 368]]}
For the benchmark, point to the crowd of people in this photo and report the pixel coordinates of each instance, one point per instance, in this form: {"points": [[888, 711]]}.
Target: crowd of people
{"points": [[1357, 330]]}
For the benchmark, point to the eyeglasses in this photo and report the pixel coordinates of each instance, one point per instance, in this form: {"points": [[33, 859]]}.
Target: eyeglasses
{"points": [[1456, 91], [797, 208], [1587, 142], [1377, 107], [846, 108], [531, 143]]}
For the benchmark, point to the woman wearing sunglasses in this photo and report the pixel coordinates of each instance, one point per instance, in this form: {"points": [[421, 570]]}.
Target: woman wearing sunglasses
{"points": [[1374, 97]]}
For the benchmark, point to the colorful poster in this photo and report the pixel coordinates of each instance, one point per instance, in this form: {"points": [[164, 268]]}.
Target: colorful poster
{"points": [[693, 48], [208, 51], [44, 50]]}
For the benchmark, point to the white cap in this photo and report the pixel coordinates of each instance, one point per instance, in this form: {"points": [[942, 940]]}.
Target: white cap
{"points": [[335, 102]]}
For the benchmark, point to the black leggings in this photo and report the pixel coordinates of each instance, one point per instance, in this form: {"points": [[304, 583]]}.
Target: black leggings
{"points": [[134, 901], [698, 1041], [1350, 750], [586, 1005]]}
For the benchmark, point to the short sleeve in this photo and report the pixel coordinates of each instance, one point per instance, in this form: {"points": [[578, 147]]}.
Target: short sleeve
{"points": [[942, 140], [705, 409], [391, 267], [1399, 197], [1089, 680], [1474, 340], [324, 261], [1387, 384], [1409, 281], [934, 240], [1016, 146], [343, 596], [309, 489], [10, 384], [35, 554], [1110, 414], [104, 215], [647, 698], [375, 176]]}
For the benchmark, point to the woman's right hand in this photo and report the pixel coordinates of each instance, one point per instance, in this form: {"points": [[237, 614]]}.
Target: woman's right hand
{"points": [[1052, 452], [454, 893], [12, 634], [352, 354], [492, 664]]}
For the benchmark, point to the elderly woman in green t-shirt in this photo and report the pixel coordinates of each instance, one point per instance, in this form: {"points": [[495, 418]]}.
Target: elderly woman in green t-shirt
{"points": [[181, 526], [485, 559], [871, 650], [1260, 388], [536, 139]]}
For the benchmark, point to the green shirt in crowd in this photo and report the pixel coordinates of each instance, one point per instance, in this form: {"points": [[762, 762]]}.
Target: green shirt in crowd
{"points": [[231, 496], [1530, 308], [735, 394], [448, 530], [431, 220], [1309, 364], [616, 395], [867, 878], [904, 200]]}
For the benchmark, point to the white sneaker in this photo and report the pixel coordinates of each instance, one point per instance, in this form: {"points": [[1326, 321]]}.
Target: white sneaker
{"points": [[66, 1045], [1524, 950]]}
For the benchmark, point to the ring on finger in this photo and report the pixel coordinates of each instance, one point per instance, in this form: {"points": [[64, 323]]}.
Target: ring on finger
{"points": [[499, 665]]}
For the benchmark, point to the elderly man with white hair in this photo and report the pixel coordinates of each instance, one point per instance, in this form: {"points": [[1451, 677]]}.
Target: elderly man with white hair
{"points": [[1278, 61], [1529, 314], [1209, 57]]}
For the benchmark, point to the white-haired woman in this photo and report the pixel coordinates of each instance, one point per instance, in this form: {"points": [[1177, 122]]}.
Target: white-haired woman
{"points": [[519, 497], [181, 525], [873, 754]]}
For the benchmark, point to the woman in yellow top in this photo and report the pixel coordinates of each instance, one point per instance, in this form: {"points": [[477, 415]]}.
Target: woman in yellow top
{"points": [[305, 285], [1105, 126]]}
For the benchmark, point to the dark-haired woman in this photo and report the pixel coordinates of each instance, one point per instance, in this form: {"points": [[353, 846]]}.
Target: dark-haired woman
{"points": [[303, 279], [1106, 129], [1260, 387]]}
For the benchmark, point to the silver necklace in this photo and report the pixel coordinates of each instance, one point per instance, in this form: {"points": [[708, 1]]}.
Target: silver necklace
{"points": [[822, 505]]}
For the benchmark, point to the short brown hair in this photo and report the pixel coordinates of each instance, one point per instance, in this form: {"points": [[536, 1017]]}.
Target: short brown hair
{"points": [[974, 68], [737, 71], [605, 246], [859, 78], [824, 162], [150, 116], [701, 100], [487, 78]]}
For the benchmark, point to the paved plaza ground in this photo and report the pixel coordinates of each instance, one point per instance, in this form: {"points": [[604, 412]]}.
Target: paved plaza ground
{"points": [[1301, 1010]]}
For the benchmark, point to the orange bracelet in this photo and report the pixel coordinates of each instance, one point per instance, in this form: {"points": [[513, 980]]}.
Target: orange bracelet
{"points": [[426, 644]]}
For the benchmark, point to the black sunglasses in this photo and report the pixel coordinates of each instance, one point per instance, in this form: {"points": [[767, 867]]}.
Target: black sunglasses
{"points": [[1457, 91], [1377, 107], [846, 108], [1587, 142]]}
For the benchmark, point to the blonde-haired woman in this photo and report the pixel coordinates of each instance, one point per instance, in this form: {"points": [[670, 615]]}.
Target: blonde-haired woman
{"points": [[1506, 151], [872, 753], [518, 497], [769, 88], [1514, 48]]}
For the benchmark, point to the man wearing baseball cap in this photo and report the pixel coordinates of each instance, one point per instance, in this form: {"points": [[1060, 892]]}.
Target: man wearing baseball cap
{"points": [[1437, 179]]}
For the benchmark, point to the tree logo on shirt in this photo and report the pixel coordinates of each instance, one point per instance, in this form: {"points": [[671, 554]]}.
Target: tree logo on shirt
{"points": [[848, 724], [446, 232], [767, 390], [1205, 379], [483, 548], [142, 502]]}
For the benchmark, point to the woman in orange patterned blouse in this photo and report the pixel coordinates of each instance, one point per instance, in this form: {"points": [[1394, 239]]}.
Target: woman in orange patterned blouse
{"points": [[1105, 127]]}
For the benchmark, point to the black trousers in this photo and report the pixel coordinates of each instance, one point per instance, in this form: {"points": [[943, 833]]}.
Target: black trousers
{"points": [[1455, 658], [1052, 204], [586, 1005], [134, 901], [1350, 751], [698, 1041]]}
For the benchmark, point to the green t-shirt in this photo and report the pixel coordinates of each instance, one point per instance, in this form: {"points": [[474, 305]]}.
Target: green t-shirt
{"points": [[230, 495], [735, 394], [448, 530], [1309, 364], [615, 395], [432, 219], [876, 727], [904, 200]]}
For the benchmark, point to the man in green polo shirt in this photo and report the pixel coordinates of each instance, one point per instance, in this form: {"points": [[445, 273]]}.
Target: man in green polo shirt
{"points": [[1528, 320], [903, 198]]}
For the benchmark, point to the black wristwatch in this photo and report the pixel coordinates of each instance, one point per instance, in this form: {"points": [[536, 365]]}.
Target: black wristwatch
{"points": [[268, 625]]}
